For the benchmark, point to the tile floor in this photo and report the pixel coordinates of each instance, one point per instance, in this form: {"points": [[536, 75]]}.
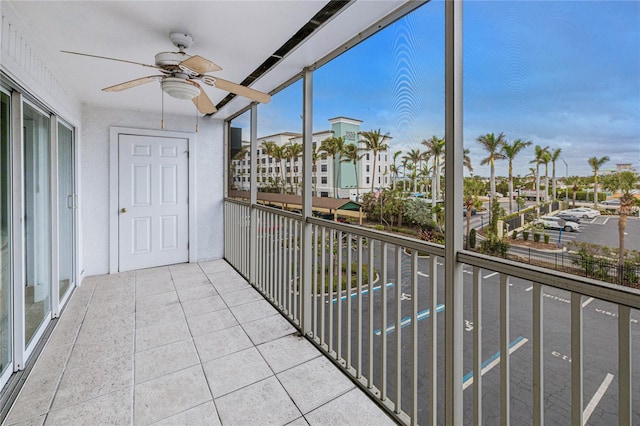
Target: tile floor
{"points": [[184, 344]]}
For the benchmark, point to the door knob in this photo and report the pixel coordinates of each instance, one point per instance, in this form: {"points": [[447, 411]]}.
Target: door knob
{"points": [[123, 210]]}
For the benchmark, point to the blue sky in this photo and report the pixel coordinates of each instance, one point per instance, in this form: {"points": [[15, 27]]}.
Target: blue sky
{"points": [[563, 74]]}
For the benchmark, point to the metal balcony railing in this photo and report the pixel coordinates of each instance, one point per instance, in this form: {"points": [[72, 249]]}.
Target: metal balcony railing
{"points": [[372, 304]]}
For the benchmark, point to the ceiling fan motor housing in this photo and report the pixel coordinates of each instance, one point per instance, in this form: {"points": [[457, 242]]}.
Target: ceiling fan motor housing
{"points": [[181, 40]]}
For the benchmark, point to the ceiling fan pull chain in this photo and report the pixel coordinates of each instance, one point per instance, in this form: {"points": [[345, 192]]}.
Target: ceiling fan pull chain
{"points": [[162, 103], [197, 109]]}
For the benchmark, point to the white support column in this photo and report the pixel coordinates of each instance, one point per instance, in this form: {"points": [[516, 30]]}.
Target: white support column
{"points": [[17, 215], [55, 211], [307, 208], [453, 207], [253, 193]]}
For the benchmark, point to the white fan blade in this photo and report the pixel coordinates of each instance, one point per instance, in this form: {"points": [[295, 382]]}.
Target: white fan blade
{"points": [[111, 59], [203, 103], [132, 83], [200, 65], [245, 91]]}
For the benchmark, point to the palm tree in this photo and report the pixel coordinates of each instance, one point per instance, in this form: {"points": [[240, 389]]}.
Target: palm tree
{"points": [[472, 188], [293, 152], [394, 168], [555, 156], [492, 145], [278, 153], [435, 149], [510, 151], [595, 164], [466, 160], [374, 141], [624, 182], [415, 157], [538, 159], [333, 147], [351, 154], [546, 159]]}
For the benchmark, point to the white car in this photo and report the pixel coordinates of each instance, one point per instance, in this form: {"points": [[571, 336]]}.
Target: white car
{"points": [[583, 212], [553, 222]]}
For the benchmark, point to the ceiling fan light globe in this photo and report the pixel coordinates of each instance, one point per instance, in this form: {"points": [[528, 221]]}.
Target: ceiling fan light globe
{"points": [[179, 88]]}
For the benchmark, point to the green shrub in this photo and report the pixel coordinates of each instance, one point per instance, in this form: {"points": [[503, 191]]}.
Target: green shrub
{"points": [[380, 227], [525, 235], [472, 238], [514, 235], [546, 238], [536, 237]]}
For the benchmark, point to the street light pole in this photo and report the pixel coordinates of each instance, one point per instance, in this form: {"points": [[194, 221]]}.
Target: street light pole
{"points": [[566, 188]]}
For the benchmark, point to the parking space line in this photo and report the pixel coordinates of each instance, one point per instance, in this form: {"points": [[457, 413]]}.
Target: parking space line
{"points": [[596, 398], [365, 291], [407, 320], [423, 274], [528, 288], [490, 275], [586, 302], [467, 380]]}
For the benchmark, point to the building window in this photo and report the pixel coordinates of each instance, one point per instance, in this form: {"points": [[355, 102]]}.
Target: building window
{"points": [[270, 160], [367, 156], [323, 180], [323, 168], [288, 169], [324, 194], [368, 180], [295, 169], [367, 169], [264, 160]]}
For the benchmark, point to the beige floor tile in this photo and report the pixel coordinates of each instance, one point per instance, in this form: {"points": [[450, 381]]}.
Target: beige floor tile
{"points": [[153, 317], [195, 281], [161, 334], [214, 266], [158, 301], [240, 297], [267, 329], [35, 421], [265, 402], [222, 342], [93, 348], [204, 414], [288, 351], [202, 306], [252, 311], [229, 282], [168, 395], [195, 293], [314, 383], [235, 371], [162, 360], [80, 384], [34, 399], [115, 408], [211, 321], [353, 408], [153, 286]]}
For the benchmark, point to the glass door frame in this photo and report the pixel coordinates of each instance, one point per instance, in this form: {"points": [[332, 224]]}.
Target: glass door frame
{"points": [[9, 370], [58, 303]]}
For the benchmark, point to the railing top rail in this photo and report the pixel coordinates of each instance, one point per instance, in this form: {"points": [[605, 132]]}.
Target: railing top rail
{"points": [[237, 201], [411, 243], [586, 286], [281, 212]]}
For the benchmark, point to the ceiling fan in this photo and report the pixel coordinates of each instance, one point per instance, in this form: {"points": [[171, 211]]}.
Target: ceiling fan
{"points": [[182, 74]]}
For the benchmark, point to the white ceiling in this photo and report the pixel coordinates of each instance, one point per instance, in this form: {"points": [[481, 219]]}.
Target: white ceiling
{"points": [[237, 35]]}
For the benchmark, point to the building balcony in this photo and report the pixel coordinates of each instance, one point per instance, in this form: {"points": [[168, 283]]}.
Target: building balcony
{"points": [[184, 344]]}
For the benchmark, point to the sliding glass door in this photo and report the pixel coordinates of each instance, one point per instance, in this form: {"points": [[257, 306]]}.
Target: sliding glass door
{"points": [[6, 307], [37, 221], [66, 208]]}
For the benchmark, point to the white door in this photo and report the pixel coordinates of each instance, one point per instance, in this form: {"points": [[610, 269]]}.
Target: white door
{"points": [[153, 189]]}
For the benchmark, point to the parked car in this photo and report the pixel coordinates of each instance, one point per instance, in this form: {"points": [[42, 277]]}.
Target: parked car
{"points": [[464, 211], [554, 222], [612, 202], [583, 212], [569, 217]]}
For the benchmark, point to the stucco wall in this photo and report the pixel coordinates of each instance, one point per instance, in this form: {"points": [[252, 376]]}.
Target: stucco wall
{"points": [[94, 187]]}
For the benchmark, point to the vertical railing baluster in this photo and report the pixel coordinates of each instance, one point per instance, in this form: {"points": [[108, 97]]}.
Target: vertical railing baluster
{"points": [[624, 366], [370, 294], [272, 233], [398, 333], [296, 281], [477, 346], [331, 276], [414, 337], [538, 355], [505, 414], [289, 287], [359, 317], [339, 297], [433, 336], [314, 280], [348, 293], [323, 269], [576, 360], [383, 319]]}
